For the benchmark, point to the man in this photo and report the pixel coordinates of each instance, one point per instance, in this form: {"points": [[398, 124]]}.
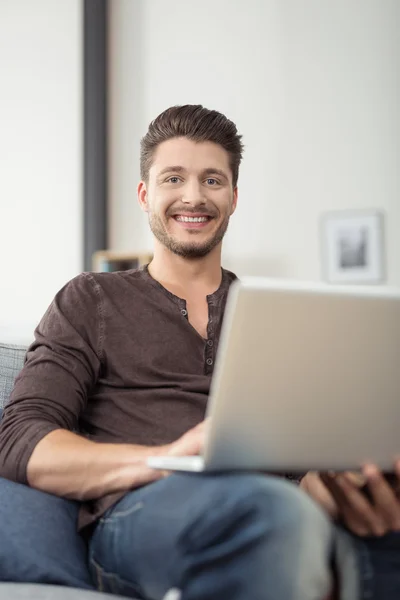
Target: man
{"points": [[120, 370]]}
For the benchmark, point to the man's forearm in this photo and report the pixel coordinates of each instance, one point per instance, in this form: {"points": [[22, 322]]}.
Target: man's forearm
{"points": [[68, 465]]}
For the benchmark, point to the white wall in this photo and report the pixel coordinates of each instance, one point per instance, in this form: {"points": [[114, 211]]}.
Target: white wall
{"points": [[312, 85], [40, 157]]}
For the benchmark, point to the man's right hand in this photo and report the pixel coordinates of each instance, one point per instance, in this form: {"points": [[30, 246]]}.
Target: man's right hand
{"points": [[190, 443]]}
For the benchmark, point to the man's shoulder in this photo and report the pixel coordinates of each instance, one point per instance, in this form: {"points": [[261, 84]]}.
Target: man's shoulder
{"points": [[229, 276], [91, 285], [117, 278]]}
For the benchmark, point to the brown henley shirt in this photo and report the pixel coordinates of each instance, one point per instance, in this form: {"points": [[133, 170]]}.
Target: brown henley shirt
{"points": [[116, 359]]}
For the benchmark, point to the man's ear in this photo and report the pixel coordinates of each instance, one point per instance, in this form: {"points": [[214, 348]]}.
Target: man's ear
{"points": [[142, 196], [234, 201]]}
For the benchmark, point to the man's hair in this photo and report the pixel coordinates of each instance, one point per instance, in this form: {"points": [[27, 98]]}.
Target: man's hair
{"points": [[196, 123]]}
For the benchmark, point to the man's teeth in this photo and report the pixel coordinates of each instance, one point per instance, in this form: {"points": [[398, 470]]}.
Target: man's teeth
{"points": [[192, 219]]}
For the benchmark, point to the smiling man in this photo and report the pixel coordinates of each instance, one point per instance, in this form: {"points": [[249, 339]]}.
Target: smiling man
{"points": [[189, 202], [120, 370]]}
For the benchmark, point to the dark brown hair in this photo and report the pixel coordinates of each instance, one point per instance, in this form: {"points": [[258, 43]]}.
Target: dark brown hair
{"points": [[196, 123]]}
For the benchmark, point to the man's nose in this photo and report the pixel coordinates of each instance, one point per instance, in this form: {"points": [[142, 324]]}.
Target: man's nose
{"points": [[193, 194]]}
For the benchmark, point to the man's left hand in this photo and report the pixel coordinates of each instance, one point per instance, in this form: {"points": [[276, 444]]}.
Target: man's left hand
{"points": [[363, 516]]}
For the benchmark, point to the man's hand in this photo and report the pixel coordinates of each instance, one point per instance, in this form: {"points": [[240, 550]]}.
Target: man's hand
{"points": [[191, 443], [344, 497], [363, 516]]}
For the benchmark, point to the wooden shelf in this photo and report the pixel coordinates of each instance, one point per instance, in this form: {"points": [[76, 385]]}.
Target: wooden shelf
{"points": [[111, 261]]}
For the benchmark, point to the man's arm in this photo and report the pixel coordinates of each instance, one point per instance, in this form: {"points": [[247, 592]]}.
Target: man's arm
{"points": [[68, 465], [37, 443], [61, 368]]}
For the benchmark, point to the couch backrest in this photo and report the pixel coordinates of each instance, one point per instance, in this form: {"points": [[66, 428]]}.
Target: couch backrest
{"points": [[11, 362]]}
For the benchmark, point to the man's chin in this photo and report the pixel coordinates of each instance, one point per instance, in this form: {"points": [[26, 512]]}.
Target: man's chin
{"points": [[190, 245], [191, 251]]}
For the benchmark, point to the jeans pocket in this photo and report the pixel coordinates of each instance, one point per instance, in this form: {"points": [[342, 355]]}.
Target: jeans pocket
{"points": [[112, 583]]}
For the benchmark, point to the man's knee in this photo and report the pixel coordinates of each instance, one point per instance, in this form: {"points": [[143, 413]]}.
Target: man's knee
{"points": [[277, 505], [39, 539]]}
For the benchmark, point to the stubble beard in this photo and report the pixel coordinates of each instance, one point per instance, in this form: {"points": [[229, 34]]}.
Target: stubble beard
{"points": [[190, 250]]}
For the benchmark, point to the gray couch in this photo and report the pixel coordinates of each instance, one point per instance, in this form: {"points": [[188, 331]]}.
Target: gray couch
{"points": [[11, 361]]}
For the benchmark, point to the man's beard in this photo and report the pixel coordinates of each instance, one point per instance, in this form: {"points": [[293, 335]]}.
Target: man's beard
{"points": [[186, 249]]}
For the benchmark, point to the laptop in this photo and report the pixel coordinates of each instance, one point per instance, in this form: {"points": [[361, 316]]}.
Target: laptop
{"points": [[307, 377]]}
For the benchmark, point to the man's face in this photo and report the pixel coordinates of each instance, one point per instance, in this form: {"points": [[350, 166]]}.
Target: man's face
{"points": [[189, 196]]}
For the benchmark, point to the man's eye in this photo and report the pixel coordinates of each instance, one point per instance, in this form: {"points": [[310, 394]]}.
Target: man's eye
{"points": [[173, 179], [211, 181]]}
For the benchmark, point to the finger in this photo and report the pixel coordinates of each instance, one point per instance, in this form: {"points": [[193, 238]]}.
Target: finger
{"points": [[358, 514], [313, 485], [383, 496], [337, 494], [330, 481], [363, 507]]}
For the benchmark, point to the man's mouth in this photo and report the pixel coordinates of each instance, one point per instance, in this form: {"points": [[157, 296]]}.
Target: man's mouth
{"points": [[185, 219], [192, 222]]}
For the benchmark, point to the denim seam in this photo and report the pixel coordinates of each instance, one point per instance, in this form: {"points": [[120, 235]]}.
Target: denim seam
{"points": [[102, 574], [123, 513], [99, 575]]}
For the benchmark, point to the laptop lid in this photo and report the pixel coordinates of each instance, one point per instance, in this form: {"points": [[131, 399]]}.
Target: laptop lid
{"points": [[307, 377]]}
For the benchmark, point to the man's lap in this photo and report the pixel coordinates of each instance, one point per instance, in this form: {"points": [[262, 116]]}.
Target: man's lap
{"points": [[370, 565], [39, 543], [39, 540], [150, 541]]}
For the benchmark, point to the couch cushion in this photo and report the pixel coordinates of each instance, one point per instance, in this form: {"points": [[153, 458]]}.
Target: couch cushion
{"points": [[11, 362], [26, 591]]}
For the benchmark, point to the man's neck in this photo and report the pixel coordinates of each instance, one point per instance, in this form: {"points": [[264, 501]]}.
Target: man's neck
{"points": [[188, 275]]}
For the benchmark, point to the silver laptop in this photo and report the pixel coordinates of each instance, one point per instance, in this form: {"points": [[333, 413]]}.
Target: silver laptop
{"points": [[307, 377]]}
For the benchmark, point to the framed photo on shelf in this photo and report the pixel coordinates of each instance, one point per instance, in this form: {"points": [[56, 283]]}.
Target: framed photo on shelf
{"points": [[353, 247]]}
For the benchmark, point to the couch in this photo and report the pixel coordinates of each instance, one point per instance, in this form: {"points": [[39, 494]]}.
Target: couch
{"points": [[11, 361]]}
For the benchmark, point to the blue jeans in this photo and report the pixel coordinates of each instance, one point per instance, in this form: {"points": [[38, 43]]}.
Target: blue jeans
{"points": [[378, 566], [235, 537], [222, 537], [140, 544], [38, 538]]}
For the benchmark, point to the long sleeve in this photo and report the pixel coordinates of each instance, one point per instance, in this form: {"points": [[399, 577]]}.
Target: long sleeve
{"points": [[61, 367]]}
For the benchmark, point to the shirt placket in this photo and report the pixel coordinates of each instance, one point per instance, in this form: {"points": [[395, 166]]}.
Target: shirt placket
{"points": [[183, 307], [209, 354]]}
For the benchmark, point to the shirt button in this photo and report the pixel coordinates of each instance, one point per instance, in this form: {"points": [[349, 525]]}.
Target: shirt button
{"points": [[184, 312], [210, 343], [209, 361]]}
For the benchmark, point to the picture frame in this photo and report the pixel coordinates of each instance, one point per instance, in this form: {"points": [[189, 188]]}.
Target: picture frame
{"points": [[353, 247]]}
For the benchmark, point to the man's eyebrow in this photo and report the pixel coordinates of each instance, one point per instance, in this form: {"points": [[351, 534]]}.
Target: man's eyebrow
{"points": [[173, 168], [212, 171]]}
